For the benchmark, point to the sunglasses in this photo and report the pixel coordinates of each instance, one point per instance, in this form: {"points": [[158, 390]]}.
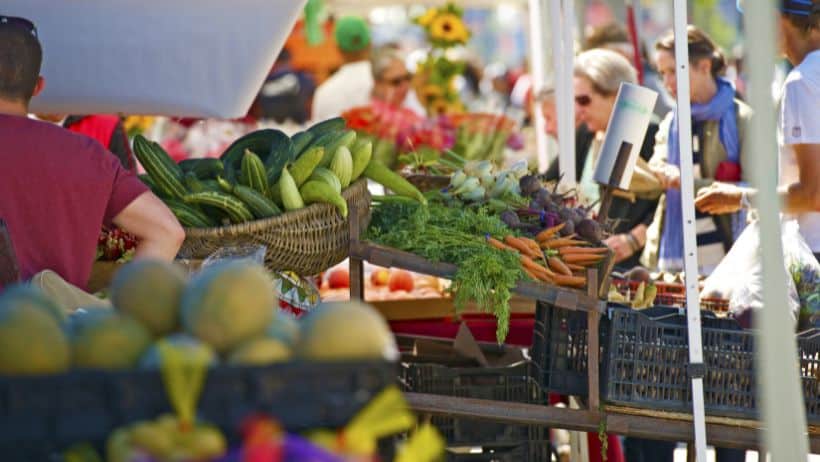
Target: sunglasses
{"points": [[396, 81], [583, 100], [19, 22]]}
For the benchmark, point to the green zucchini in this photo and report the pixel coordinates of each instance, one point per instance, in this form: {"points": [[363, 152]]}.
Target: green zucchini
{"points": [[259, 141], [259, 205], [204, 169], [333, 143], [253, 172], [188, 216], [303, 167], [156, 163], [237, 211], [301, 141], [329, 125]]}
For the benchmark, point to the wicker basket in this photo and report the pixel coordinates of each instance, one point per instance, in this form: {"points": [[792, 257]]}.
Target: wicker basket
{"points": [[428, 182], [306, 241]]}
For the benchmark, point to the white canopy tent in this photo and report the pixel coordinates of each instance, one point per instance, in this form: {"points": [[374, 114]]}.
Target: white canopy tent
{"points": [[193, 58]]}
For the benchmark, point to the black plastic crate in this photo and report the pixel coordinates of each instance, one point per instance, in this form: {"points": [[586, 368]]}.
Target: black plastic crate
{"points": [[560, 348], [647, 365], [40, 416], [533, 451], [809, 347], [511, 384]]}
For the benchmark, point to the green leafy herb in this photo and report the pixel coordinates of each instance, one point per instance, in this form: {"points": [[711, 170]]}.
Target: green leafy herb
{"points": [[454, 235]]}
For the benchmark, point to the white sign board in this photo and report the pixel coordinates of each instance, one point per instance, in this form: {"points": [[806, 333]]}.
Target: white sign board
{"points": [[195, 58], [625, 134]]}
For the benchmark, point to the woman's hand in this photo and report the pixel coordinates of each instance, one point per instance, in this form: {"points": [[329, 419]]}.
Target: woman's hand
{"points": [[619, 243], [668, 175], [719, 199]]}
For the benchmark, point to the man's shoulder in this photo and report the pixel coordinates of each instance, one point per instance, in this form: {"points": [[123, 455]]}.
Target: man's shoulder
{"points": [[805, 73], [47, 138]]}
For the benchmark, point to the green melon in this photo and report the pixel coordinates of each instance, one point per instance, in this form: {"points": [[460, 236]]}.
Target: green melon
{"points": [[188, 344], [104, 339], [32, 341], [260, 351], [29, 295], [149, 291], [228, 303], [283, 327], [346, 331]]}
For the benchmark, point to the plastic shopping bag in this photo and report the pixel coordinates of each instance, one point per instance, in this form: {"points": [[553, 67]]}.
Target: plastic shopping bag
{"points": [[739, 277]]}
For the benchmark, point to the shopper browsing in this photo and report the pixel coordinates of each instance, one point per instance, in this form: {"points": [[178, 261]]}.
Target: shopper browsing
{"points": [[798, 130], [58, 188]]}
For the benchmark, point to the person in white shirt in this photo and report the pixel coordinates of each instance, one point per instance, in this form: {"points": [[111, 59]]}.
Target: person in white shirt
{"points": [[799, 128], [352, 85]]}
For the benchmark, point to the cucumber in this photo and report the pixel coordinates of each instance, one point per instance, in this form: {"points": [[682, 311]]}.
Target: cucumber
{"points": [[325, 175], [391, 180], [362, 152], [237, 211], [253, 172], [188, 216], [318, 191], [290, 192], [333, 143], [259, 205], [156, 163], [204, 169], [301, 141], [342, 166], [303, 167], [277, 160], [192, 183], [329, 125]]}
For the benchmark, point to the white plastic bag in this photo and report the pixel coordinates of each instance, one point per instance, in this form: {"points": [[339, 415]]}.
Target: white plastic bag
{"points": [[739, 277]]}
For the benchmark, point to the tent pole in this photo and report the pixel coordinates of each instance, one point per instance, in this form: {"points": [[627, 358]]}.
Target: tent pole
{"points": [[690, 257], [568, 22], [538, 69], [778, 375]]}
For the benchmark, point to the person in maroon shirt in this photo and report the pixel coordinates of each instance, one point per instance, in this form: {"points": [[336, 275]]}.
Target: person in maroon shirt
{"points": [[54, 208]]}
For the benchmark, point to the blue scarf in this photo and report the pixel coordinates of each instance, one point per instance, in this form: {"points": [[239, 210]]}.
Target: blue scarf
{"points": [[722, 108]]}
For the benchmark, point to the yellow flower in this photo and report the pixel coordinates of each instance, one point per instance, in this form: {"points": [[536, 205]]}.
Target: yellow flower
{"points": [[138, 124], [430, 93], [449, 28], [427, 17], [439, 107]]}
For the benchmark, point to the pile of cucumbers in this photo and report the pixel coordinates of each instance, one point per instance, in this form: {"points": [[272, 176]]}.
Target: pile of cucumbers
{"points": [[266, 173]]}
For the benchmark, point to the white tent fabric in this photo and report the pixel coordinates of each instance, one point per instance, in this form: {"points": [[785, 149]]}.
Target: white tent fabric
{"points": [[194, 58]]}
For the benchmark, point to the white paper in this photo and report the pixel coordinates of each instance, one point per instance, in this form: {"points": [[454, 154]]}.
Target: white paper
{"points": [[194, 58], [627, 124]]}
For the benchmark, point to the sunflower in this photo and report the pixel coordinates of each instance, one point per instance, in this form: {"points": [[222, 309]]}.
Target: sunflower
{"points": [[449, 28], [425, 19], [439, 107], [430, 93]]}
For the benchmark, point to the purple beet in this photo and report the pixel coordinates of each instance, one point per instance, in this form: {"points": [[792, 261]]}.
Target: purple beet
{"points": [[590, 230]]}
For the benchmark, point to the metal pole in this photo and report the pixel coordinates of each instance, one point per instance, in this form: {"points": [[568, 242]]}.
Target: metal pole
{"points": [[566, 163], [690, 262], [778, 375], [568, 22], [538, 71]]}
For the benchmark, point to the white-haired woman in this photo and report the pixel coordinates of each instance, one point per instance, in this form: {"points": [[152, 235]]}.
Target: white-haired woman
{"points": [[598, 75]]}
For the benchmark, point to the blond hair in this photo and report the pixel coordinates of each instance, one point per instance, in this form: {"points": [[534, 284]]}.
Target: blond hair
{"points": [[605, 69]]}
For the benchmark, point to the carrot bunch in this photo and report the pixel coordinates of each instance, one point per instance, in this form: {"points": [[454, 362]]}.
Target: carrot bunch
{"points": [[564, 258]]}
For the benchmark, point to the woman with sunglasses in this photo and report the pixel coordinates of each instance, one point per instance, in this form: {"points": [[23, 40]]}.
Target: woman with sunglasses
{"points": [[718, 123], [598, 75], [391, 80]]}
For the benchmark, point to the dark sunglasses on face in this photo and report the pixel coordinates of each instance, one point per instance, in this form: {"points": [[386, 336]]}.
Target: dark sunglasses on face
{"points": [[396, 81], [583, 100], [18, 22]]}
